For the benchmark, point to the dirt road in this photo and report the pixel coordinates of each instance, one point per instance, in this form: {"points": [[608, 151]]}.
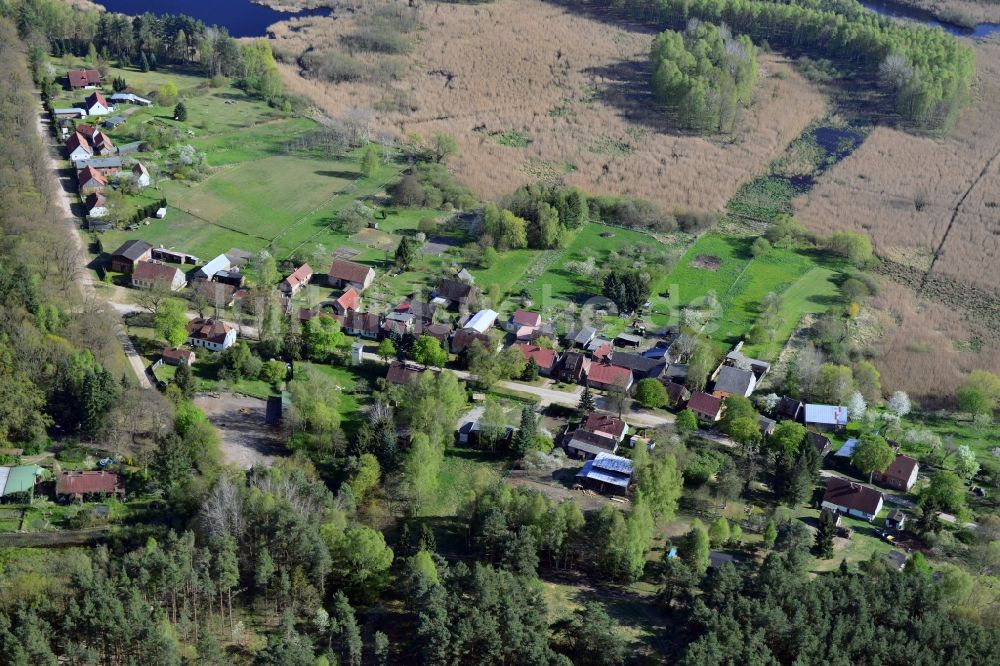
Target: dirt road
{"points": [[65, 190]]}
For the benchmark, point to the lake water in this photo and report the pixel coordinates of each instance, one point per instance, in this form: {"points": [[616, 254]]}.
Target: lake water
{"points": [[912, 14], [241, 17]]}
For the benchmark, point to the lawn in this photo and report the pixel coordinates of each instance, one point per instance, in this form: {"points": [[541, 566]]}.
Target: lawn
{"points": [[463, 470], [741, 282]]}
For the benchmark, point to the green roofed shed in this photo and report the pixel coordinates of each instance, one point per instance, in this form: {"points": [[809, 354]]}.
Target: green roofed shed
{"points": [[20, 479]]}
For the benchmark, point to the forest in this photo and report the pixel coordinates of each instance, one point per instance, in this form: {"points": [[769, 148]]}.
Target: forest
{"points": [[926, 73], [704, 74]]}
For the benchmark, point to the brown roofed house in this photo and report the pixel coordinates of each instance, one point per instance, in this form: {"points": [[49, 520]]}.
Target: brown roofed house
{"points": [[605, 424], [76, 485], [901, 473], [852, 498], [706, 407], [464, 338], [440, 332], [83, 78], [212, 334], [348, 301], [453, 293], [545, 358], [78, 147], [130, 253], [344, 273], [177, 356], [606, 376], [152, 274], [402, 373], [573, 367], [364, 324], [90, 180], [299, 278]]}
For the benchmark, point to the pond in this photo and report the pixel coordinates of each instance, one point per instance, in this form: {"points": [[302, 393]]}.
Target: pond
{"points": [[242, 18], [906, 13]]}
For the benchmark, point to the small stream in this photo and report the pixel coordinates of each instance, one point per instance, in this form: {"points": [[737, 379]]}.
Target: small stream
{"points": [[905, 13]]}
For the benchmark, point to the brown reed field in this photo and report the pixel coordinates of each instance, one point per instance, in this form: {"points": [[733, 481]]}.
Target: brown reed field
{"points": [[917, 196], [532, 91]]}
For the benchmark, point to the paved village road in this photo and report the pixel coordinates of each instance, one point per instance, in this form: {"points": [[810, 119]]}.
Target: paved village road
{"points": [[64, 194]]}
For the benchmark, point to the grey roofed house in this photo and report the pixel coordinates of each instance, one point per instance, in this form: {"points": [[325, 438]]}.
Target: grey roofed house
{"points": [[627, 340], [129, 148], [597, 343], [734, 381], [641, 366], [789, 408], [112, 162], [607, 472], [676, 372], [129, 98], [132, 250], [583, 336], [589, 444], [737, 357], [766, 425]]}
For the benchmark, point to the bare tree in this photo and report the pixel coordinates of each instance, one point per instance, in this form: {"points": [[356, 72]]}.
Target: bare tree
{"points": [[222, 513], [150, 299]]}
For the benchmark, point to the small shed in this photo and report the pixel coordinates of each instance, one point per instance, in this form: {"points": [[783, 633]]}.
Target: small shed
{"points": [[895, 520], [607, 473]]}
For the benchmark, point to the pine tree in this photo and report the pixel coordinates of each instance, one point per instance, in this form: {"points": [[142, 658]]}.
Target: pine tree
{"points": [[404, 542], [185, 381], [587, 402], [427, 541], [531, 370], [824, 535], [525, 437], [406, 253], [143, 62], [180, 112], [369, 161]]}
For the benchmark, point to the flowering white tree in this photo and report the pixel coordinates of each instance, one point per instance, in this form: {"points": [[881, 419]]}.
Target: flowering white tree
{"points": [[857, 406], [899, 404]]}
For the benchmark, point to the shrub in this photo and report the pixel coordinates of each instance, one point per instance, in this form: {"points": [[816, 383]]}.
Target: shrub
{"points": [[695, 222]]}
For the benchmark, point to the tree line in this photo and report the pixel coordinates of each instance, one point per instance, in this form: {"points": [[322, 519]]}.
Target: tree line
{"points": [[926, 72]]}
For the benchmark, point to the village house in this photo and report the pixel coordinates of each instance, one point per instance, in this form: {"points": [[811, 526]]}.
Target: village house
{"points": [[573, 367], [78, 148], [676, 372], [584, 445], [733, 381], [452, 294], [299, 278], [440, 332], [131, 252], [607, 425], [482, 321], [83, 78], [826, 417], [348, 301], [708, 408], [102, 144], [422, 311], [544, 358], [677, 394], [606, 473], [852, 498], [96, 205], [177, 356], [141, 174], [900, 474], [96, 105], [581, 337], [362, 324], [822, 443], [105, 166], [150, 274], [737, 359], [209, 270], [402, 373], [789, 409], [212, 334], [398, 323], [600, 349], [844, 454], [524, 325], [89, 180], [895, 520], [766, 426], [642, 367], [627, 340], [605, 376], [344, 273], [464, 338], [77, 485]]}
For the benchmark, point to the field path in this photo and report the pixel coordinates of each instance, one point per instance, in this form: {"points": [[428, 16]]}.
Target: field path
{"points": [[82, 275], [954, 216]]}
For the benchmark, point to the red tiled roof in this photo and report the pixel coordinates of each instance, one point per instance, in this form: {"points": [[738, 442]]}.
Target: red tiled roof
{"points": [[851, 495], [705, 404], [525, 318], [349, 300], [609, 375], [605, 423], [73, 483], [87, 130], [97, 98], [213, 330], [150, 270], [545, 358], [300, 275], [367, 322], [901, 468], [89, 173], [79, 78], [177, 354], [603, 352], [342, 269], [75, 141], [94, 200]]}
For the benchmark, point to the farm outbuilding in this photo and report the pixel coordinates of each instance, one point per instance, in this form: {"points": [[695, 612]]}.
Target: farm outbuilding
{"points": [[607, 473]]}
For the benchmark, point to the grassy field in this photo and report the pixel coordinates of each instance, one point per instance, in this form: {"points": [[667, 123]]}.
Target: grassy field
{"points": [[803, 277], [463, 470]]}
